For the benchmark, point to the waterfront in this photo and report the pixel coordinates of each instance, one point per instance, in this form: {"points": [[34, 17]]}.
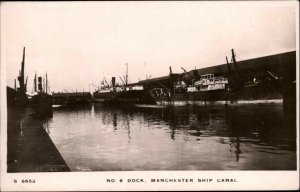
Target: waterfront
{"points": [[29, 147], [104, 138]]}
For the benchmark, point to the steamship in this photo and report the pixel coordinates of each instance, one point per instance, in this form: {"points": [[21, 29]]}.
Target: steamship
{"points": [[126, 94], [41, 101], [133, 93], [269, 79], [210, 90], [17, 97]]}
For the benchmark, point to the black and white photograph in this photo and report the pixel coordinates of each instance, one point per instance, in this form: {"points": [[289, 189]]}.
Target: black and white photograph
{"points": [[149, 95]]}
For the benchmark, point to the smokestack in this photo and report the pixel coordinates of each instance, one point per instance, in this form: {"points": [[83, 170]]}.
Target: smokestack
{"points": [[35, 83], [43, 83], [113, 81], [40, 87]]}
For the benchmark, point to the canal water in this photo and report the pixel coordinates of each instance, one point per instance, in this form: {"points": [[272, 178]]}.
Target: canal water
{"points": [[105, 138]]}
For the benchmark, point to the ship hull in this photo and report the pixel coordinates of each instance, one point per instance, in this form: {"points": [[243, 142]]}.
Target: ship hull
{"points": [[125, 97], [42, 103]]}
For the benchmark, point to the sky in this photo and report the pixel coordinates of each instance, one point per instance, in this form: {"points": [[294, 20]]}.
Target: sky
{"points": [[80, 43]]}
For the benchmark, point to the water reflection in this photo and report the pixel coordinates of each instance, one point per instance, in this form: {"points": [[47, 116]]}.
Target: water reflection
{"points": [[101, 137]]}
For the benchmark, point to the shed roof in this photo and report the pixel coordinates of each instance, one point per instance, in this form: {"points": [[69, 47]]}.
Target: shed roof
{"points": [[283, 64]]}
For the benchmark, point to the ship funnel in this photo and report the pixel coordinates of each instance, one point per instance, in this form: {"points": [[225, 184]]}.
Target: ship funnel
{"points": [[40, 86], [113, 81]]}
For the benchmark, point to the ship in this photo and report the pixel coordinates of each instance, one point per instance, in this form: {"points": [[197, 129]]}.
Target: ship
{"points": [[216, 90], [17, 96], [126, 93], [41, 101], [260, 80], [122, 94]]}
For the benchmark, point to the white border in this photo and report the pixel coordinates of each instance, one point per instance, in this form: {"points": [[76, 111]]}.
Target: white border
{"points": [[247, 180]]}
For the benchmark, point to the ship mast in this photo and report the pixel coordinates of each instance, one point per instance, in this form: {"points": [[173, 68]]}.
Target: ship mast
{"points": [[228, 65], [236, 69], [233, 59], [46, 83], [21, 74], [126, 74], [35, 90], [22, 71], [43, 83], [25, 85]]}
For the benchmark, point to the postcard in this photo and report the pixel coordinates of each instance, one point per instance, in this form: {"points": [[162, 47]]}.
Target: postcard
{"points": [[163, 95]]}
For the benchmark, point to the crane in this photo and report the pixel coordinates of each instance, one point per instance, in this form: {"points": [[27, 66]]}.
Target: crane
{"points": [[275, 76], [188, 78], [148, 77], [184, 70], [95, 86], [122, 80]]}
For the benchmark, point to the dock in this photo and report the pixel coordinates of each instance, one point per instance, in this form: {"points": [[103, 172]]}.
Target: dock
{"points": [[30, 148]]}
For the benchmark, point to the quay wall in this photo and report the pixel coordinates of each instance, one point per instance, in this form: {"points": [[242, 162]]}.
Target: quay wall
{"points": [[29, 146]]}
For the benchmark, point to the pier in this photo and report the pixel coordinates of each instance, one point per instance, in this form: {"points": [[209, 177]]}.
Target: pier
{"points": [[30, 149]]}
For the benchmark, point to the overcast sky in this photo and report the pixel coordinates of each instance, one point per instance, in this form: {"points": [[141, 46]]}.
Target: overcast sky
{"points": [[80, 43]]}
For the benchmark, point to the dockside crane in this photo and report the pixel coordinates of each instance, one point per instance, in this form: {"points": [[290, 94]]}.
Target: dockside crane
{"points": [[95, 86], [106, 82], [126, 74], [122, 80], [22, 90], [228, 65], [184, 70], [275, 76], [188, 78], [234, 79]]}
